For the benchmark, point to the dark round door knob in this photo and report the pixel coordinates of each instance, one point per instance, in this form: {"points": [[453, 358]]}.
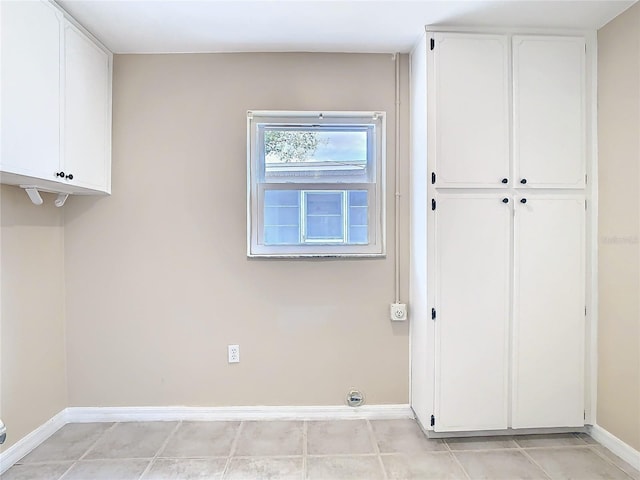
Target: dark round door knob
{"points": [[504, 180], [505, 200], [523, 200], [523, 181], [70, 176], [60, 174]]}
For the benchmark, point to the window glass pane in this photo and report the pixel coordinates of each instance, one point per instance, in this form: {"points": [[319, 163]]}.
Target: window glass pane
{"points": [[277, 235], [325, 228], [311, 152], [358, 234], [325, 219], [324, 203], [358, 197], [281, 217], [357, 216], [282, 197], [284, 216]]}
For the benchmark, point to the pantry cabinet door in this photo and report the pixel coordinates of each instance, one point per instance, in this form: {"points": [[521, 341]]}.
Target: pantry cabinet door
{"points": [[471, 102], [473, 238], [549, 111], [30, 59], [549, 312]]}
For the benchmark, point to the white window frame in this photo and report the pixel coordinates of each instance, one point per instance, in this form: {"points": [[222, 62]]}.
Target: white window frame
{"points": [[257, 185]]}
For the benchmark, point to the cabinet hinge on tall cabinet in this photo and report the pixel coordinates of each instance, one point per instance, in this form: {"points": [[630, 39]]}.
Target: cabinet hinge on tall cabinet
{"points": [[56, 108]]}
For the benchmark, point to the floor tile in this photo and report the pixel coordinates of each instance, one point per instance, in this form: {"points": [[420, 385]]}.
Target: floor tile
{"points": [[186, 469], [121, 469], [41, 471], [554, 440], [264, 468], [422, 466], [132, 440], [576, 463], [403, 436], [68, 443], [342, 437], [499, 465], [481, 443], [270, 438], [344, 468], [612, 457], [201, 439]]}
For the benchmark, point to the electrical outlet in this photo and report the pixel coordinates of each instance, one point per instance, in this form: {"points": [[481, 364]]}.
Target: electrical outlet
{"points": [[398, 312], [234, 353]]}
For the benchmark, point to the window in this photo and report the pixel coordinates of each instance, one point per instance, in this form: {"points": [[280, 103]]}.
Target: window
{"points": [[316, 184]]}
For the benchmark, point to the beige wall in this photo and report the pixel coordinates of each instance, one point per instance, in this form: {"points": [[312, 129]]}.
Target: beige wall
{"points": [[619, 225], [32, 362], [158, 282]]}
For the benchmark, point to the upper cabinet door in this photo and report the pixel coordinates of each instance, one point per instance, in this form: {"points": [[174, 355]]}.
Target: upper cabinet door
{"points": [[30, 89], [470, 95], [549, 111], [87, 112]]}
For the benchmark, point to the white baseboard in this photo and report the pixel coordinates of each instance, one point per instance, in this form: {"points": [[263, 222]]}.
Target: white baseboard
{"points": [[30, 441], [147, 414], [623, 450]]}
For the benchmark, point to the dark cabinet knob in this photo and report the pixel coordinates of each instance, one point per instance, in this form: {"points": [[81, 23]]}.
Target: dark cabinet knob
{"points": [[69, 177], [523, 181], [505, 180], [523, 200], [505, 200], [60, 174]]}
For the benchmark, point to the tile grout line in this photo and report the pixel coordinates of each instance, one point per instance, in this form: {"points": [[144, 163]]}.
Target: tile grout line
{"points": [[305, 448], [91, 447], [162, 447], [607, 459], [376, 449], [456, 459], [232, 450], [532, 460]]}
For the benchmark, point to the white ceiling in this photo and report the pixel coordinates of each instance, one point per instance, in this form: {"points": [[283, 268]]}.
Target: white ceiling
{"points": [[173, 26]]}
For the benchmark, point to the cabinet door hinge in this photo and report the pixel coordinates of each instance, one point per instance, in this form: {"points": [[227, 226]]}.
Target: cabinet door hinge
{"points": [[433, 44], [433, 314], [433, 178], [433, 204], [433, 420]]}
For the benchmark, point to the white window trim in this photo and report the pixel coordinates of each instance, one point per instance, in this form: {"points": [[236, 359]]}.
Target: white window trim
{"points": [[255, 190]]}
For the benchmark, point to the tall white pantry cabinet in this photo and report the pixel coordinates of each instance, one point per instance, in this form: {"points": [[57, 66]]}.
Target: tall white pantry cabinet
{"points": [[498, 225]]}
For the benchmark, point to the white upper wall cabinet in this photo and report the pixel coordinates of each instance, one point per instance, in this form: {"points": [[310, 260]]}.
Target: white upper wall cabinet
{"points": [[87, 111], [549, 111], [31, 100], [471, 97], [56, 102]]}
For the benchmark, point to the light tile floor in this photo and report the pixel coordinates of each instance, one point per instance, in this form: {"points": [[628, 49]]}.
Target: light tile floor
{"points": [[324, 450]]}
